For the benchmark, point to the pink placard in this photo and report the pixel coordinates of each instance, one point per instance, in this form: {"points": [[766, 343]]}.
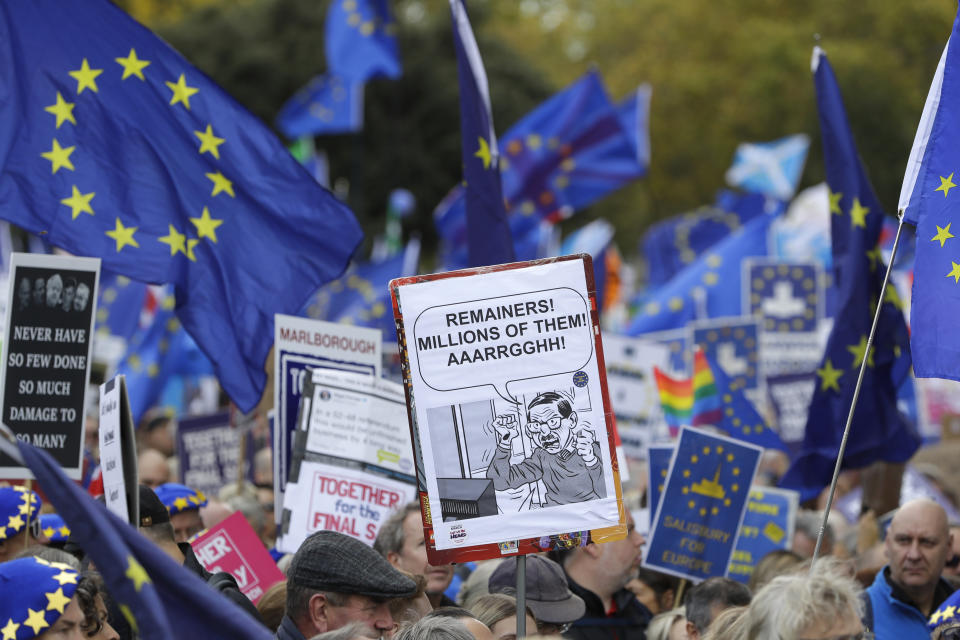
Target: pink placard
{"points": [[234, 547]]}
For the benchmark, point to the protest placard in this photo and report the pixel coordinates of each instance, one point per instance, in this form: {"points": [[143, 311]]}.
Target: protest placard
{"points": [[208, 449], [46, 359], [118, 451], [699, 514], [790, 396], [767, 526], [733, 343], [658, 464], [300, 343], [233, 546], [508, 406]]}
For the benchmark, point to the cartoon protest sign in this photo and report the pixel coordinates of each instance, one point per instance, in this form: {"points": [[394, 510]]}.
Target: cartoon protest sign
{"points": [[46, 356], [767, 526], [508, 407], [699, 513]]}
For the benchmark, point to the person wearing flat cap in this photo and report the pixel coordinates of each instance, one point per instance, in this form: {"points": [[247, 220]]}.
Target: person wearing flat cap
{"points": [[335, 580], [184, 504], [38, 600], [18, 507], [548, 593]]}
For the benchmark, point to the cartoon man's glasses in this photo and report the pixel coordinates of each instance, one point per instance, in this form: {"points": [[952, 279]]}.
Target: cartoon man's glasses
{"points": [[553, 424]]}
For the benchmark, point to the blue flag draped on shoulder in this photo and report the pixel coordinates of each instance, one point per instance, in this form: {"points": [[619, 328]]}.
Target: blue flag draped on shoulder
{"points": [[360, 40], [114, 146], [328, 104], [155, 594], [929, 201], [488, 232], [878, 431]]}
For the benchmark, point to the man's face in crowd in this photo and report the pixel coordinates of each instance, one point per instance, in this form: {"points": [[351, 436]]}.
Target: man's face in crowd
{"points": [[373, 612], [54, 289], [622, 557], [81, 298], [39, 290], [917, 545], [413, 557], [68, 293], [548, 428], [186, 524], [69, 626]]}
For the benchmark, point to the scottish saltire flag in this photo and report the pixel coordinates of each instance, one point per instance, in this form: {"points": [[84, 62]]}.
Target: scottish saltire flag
{"points": [[155, 594], [709, 287], [928, 200], [736, 415], [361, 41], [772, 168], [689, 401], [488, 232], [114, 146], [634, 112], [120, 303], [328, 104], [878, 430], [671, 245]]}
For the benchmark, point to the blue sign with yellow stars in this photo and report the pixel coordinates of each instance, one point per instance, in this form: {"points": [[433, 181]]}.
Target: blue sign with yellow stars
{"points": [[678, 341], [786, 296], [658, 464], [733, 344], [34, 594], [767, 526], [698, 518]]}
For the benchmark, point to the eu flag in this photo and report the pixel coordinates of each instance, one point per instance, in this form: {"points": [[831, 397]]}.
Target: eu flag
{"points": [[328, 104], [737, 416], [926, 201], [361, 40], [878, 431], [112, 145], [155, 594], [119, 305], [488, 232], [634, 112]]}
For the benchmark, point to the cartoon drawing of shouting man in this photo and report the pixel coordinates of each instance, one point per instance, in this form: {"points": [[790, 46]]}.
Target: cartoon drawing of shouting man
{"points": [[566, 458]]}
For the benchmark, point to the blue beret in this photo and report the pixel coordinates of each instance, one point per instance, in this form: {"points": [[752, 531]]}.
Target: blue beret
{"points": [[34, 594], [17, 505], [178, 498], [53, 528]]}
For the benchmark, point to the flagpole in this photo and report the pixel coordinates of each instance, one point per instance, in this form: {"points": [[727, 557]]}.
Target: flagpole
{"points": [[856, 395]]}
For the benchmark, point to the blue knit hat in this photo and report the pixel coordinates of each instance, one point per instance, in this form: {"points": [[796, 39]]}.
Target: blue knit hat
{"points": [[34, 594], [53, 528], [178, 498], [17, 505]]}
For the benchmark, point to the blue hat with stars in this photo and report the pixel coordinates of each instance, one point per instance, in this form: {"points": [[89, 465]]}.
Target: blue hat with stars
{"points": [[53, 528], [178, 498], [946, 613], [34, 594], [17, 505]]}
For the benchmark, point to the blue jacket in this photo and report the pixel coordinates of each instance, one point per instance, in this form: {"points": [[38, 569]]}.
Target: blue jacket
{"points": [[288, 630], [893, 618]]}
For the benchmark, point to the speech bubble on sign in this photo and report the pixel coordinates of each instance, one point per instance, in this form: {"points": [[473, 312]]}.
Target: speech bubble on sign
{"points": [[497, 341]]}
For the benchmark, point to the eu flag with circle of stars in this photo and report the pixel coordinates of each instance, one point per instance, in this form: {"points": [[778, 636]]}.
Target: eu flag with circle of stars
{"points": [[878, 430], [658, 463], [786, 295], [488, 232], [120, 302], [929, 201], [328, 104], [360, 40], [156, 594], [114, 146]]}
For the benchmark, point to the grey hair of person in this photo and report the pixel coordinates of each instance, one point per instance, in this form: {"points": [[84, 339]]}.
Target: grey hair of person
{"points": [[703, 598], [347, 632], [808, 523], [298, 599], [660, 625], [50, 554], [494, 607], [824, 595], [434, 628], [390, 536]]}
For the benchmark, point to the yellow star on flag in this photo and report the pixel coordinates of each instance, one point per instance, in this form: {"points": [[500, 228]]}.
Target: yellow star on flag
{"points": [[59, 157], [176, 240], [48, 532], [153, 370], [206, 226], [180, 503], [123, 235], [128, 614], [948, 612], [132, 66], [875, 256], [483, 152], [64, 531], [220, 184], [9, 630], [15, 522], [943, 234], [955, 273], [36, 620], [79, 202], [892, 296], [86, 77], [835, 203], [134, 362], [181, 92], [858, 350], [209, 142], [829, 376], [858, 214], [57, 601], [66, 577], [136, 573], [945, 185], [63, 110]]}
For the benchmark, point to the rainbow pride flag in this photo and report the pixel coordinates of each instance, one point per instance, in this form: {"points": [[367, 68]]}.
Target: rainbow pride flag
{"points": [[690, 401]]}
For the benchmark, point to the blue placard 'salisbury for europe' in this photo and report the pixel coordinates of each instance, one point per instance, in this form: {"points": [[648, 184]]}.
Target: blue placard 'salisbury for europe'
{"points": [[658, 460], [702, 506], [767, 526]]}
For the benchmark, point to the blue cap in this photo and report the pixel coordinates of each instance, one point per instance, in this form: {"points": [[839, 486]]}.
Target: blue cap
{"points": [[53, 528], [34, 594], [17, 506], [178, 498]]}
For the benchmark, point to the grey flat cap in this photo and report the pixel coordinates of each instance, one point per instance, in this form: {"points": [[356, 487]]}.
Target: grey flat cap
{"points": [[331, 561]]}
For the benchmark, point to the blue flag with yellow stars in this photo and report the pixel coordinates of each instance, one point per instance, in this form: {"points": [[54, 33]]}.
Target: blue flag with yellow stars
{"points": [[120, 302], [702, 505], [634, 112], [115, 146], [738, 416], [488, 232], [155, 594], [787, 296], [927, 200], [878, 430], [328, 104], [156, 353], [658, 463], [361, 40]]}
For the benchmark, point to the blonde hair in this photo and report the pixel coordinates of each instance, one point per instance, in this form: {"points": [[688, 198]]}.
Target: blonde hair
{"points": [[660, 625]]}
